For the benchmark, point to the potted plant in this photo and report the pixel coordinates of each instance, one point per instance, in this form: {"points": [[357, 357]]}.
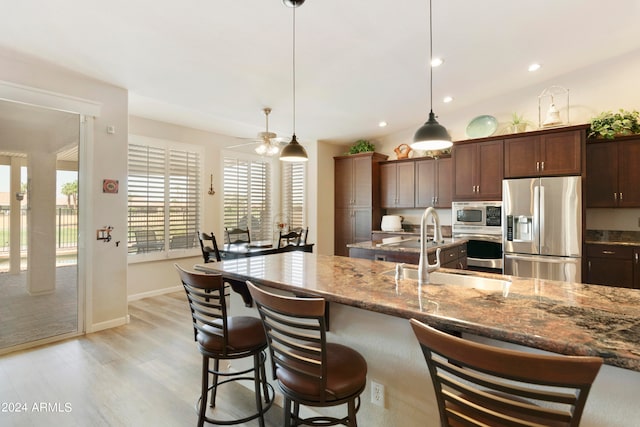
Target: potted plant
{"points": [[361, 146], [609, 125], [517, 123]]}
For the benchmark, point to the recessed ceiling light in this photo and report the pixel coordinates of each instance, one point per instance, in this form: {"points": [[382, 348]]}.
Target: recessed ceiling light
{"points": [[382, 124], [436, 62], [534, 67], [447, 99]]}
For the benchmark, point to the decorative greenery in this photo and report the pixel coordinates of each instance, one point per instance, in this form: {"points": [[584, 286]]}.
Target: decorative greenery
{"points": [[516, 119], [609, 125], [361, 146]]}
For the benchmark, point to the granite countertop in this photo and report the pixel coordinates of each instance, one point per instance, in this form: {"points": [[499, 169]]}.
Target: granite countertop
{"points": [[407, 244], [566, 318], [613, 237]]}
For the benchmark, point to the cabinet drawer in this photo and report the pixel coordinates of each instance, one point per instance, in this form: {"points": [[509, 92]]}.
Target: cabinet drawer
{"points": [[610, 251]]}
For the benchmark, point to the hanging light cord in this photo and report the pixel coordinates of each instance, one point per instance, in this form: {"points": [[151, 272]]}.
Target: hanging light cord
{"points": [[294, 69], [430, 59]]}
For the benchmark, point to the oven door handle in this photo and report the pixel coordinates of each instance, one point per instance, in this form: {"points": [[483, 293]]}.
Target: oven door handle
{"points": [[484, 237]]}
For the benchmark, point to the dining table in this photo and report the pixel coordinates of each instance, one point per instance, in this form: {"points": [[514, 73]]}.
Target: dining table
{"points": [[259, 248]]}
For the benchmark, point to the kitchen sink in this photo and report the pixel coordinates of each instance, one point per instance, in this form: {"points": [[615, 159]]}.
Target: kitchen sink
{"points": [[462, 278]]}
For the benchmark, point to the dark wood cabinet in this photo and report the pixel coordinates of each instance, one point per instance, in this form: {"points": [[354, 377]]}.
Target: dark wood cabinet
{"points": [[613, 173], [611, 265], [478, 170], [636, 268], [433, 185], [545, 154], [451, 257], [357, 198], [397, 184]]}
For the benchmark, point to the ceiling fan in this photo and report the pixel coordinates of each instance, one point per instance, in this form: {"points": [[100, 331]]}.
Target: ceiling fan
{"points": [[268, 143]]}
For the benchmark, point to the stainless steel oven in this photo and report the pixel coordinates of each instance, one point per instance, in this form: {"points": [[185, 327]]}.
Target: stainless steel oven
{"points": [[481, 224]]}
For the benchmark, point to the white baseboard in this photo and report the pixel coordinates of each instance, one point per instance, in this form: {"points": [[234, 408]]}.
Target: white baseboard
{"points": [[154, 293], [108, 324]]}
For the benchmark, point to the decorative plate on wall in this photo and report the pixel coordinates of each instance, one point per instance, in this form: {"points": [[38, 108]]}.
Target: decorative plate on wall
{"points": [[482, 126]]}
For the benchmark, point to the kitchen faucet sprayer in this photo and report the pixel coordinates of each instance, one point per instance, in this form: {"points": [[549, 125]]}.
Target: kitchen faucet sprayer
{"points": [[424, 266]]}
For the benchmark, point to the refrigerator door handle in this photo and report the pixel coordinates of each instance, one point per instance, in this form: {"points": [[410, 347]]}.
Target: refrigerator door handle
{"points": [[538, 219], [545, 259]]}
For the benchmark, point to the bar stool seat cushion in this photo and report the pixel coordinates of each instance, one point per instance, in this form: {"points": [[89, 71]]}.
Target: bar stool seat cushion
{"points": [[346, 375], [245, 333]]}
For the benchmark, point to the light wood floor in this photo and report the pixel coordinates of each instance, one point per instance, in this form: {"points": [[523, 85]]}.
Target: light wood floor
{"points": [[146, 373]]}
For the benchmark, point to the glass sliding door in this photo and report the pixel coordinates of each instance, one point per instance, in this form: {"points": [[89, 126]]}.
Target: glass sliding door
{"points": [[39, 166]]}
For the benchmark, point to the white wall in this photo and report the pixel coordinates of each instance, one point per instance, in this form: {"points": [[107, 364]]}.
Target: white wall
{"points": [[107, 270]]}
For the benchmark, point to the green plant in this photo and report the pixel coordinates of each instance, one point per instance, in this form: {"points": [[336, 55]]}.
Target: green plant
{"points": [[609, 125], [516, 119], [361, 146]]}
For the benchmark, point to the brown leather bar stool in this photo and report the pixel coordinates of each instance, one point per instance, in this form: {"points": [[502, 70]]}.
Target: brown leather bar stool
{"points": [[221, 337], [477, 384], [310, 371]]}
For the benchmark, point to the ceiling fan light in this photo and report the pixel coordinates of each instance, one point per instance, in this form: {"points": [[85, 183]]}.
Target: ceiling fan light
{"points": [[294, 152], [261, 149], [431, 136]]}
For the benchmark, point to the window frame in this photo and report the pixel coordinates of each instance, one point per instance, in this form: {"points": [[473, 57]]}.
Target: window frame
{"points": [[167, 146]]}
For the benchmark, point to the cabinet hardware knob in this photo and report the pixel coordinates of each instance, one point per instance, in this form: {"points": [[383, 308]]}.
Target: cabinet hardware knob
{"points": [[609, 252], [589, 265], [542, 165], [615, 196], [537, 166], [620, 196], [636, 255]]}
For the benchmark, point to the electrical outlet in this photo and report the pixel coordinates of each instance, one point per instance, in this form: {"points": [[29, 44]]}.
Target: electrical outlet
{"points": [[377, 394]]}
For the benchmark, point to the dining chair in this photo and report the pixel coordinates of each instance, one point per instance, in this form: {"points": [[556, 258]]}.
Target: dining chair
{"points": [[478, 385], [310, 371], [237, 235], [222, 337], [207, 251], [147, 241], [291, 238]]}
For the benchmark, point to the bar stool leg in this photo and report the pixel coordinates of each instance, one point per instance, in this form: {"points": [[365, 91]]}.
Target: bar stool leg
{"points": [[352, 413], [256, 383], [216, 369], [205, 390]]}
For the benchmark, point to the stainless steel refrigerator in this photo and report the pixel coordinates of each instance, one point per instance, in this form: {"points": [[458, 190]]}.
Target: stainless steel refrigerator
{"points": [[542, 227]]}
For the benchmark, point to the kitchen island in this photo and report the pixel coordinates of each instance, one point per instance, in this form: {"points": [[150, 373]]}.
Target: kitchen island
{"points": [[369, 311]]}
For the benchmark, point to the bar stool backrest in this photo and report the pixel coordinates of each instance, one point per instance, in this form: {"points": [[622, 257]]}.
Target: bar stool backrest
{"points": [[477, 383]]}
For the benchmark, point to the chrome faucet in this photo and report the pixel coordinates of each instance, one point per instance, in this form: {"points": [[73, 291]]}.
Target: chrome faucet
{"points": [[424, 266]]}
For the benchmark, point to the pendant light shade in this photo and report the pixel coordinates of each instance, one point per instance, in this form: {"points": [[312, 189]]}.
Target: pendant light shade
{"points": [[293, 151], [431, 135]]}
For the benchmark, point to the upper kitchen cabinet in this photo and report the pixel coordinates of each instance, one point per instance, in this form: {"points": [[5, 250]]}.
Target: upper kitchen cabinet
{"points": [[397, 183], [544, 154], [357, 198], [613, 173], [477, 170], [433, 183]]}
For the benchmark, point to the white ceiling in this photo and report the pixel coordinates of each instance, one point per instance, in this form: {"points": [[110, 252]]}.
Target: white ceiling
{"points": [[213, 64]]}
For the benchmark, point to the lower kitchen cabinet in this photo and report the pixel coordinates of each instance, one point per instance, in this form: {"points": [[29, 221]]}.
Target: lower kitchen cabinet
{"points": [[613, 265], [450, 257]]}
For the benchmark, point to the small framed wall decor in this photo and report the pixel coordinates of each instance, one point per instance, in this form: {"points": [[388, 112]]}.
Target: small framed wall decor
{"points": [[110, 186]]}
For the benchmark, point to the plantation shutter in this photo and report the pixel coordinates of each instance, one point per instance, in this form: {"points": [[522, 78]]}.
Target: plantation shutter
{"points": [[247, 197], [184, 198], [293, 192], [146, 198]]}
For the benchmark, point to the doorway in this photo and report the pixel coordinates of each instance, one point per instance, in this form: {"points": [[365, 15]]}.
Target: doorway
{"points": [[39, 206]]}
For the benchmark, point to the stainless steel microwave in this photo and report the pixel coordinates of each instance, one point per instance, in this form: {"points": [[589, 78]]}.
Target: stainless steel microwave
{"points": [[481, 214]]}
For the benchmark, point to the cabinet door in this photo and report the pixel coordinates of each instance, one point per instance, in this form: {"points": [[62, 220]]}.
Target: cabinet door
{"points": [[405, 177], [362, 185], [343, 183], [343, 235], [425, 183], [636, 268], [560, 153], [521, 157], [602, 175], [388, 185], [612, 272], [490, 171], [444, 187], [361, 225], [629, 173], [464, 167]]}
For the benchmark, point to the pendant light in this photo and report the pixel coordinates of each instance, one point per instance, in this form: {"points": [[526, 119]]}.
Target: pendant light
{"points": [[293, 151], [432, 135]]}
